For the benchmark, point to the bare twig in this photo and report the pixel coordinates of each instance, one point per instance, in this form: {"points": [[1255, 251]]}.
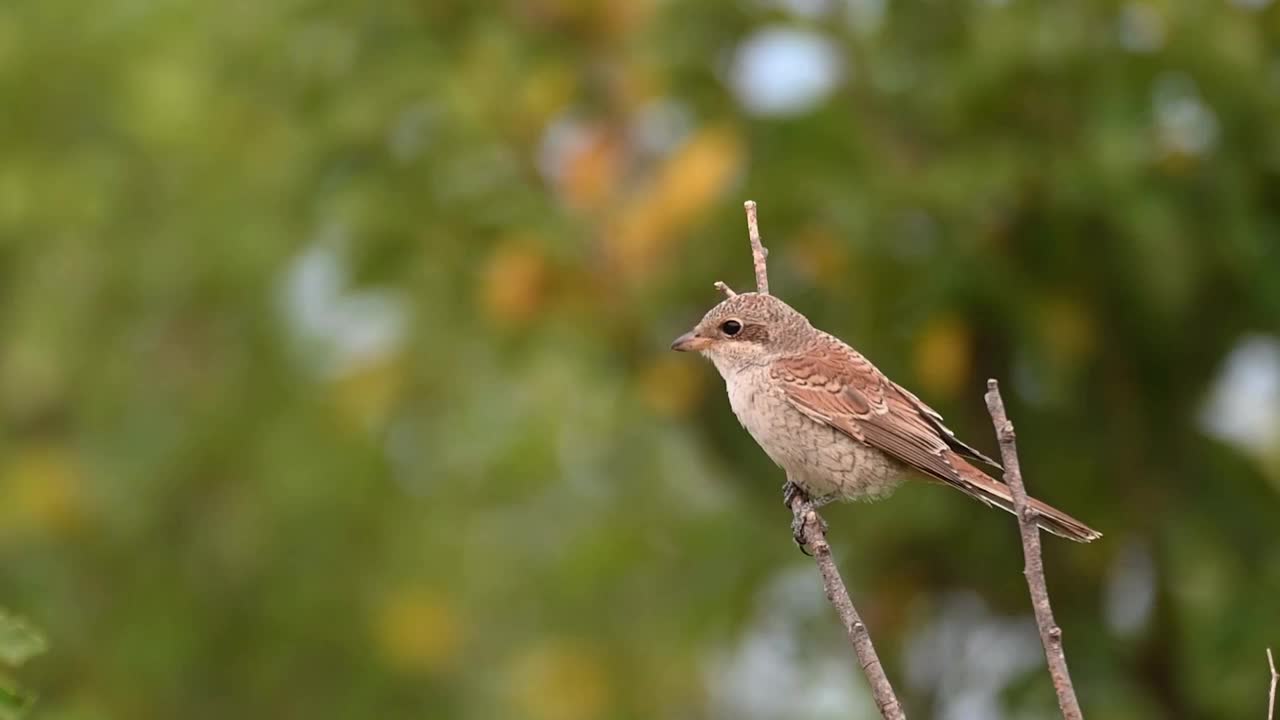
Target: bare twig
{"points": [[1271, 697], [759, 254], [728, 291], [1050, 633], [815, 539], [815, 533]]}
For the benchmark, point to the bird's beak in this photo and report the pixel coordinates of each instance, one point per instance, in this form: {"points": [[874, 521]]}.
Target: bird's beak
{"points": [[690, 342]]}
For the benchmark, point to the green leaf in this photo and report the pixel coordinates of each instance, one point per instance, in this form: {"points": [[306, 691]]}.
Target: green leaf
{"points": [[13, 702], [19, 642]]}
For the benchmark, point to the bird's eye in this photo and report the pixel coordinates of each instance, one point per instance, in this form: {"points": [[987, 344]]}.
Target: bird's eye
{"points": [[731, 327]]}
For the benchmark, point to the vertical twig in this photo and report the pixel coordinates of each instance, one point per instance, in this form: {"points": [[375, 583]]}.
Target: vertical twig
{"points": [[759, 253], [1271, 697], [1050, 633], [815, 534], [815, 539]]}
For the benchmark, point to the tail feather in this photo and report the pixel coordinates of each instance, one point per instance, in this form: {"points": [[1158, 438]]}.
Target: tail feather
{"points": [[993, 492]]}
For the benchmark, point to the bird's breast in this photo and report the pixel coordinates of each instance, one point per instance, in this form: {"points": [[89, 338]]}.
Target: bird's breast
{"points": [[820, 458], [764, 411]]}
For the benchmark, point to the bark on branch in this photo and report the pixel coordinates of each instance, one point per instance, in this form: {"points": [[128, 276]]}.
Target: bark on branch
{"points": [[1050, 633], [814, 535], [815, 539], [759, 254]]}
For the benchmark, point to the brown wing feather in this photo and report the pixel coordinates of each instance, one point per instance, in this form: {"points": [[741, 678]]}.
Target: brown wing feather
{"points": [[837, 386], [935, 419]]}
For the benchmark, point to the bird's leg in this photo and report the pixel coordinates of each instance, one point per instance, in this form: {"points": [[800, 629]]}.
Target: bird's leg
{"points": [[791, 491], [822, 501], [792, 494]]}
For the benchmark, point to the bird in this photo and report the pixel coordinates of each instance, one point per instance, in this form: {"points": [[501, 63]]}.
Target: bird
{"points": [[837, 425]]}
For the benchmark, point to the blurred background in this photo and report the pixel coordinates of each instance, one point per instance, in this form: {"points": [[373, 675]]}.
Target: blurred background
{"points": [[335, 375]]}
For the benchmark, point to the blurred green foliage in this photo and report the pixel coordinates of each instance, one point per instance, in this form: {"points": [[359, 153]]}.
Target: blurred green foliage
{"points": [[19, 642], [334, 372]]}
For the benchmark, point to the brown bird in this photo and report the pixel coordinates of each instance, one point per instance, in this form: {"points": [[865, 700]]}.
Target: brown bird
{"points": [[839, 428]]}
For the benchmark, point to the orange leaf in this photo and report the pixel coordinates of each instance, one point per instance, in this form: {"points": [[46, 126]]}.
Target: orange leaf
{"points": [[514, 283], [689, 182], [591, 170]]}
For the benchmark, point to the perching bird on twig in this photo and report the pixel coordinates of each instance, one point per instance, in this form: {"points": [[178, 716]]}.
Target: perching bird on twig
{"points": [[837, 426]]}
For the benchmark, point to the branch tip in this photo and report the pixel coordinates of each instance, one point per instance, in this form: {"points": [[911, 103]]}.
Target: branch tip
{"points": [[759, 253], [811, 530], [1271, 696], [1050, 633]]}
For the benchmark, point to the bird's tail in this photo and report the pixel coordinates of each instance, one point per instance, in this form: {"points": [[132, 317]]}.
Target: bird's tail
{"points": [[993, 492]]}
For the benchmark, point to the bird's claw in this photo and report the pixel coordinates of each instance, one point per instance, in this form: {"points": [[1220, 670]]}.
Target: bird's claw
{"points": [[792, 492], [798, 533], [800, 527]]}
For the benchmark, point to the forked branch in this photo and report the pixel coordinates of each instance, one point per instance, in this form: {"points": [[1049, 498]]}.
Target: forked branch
{"points": [[728, 291]]}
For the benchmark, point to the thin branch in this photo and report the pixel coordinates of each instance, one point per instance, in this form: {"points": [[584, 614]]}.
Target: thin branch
{"points": [[759, 254], [815, 539], [812, 531], [1050, 633], [1271, 697]]}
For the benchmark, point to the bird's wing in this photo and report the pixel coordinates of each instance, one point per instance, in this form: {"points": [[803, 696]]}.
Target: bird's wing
{"points": [[948, 437], [835, 385]]}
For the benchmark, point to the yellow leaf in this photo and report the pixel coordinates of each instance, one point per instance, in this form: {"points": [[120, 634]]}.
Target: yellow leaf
{"points": [[690, 180], [819, 256], [543, 94], [560, 681], [944, 356], [697, 173], [1068, 329], [416, 631], [43, 490], [366, 395], [671, 385]]}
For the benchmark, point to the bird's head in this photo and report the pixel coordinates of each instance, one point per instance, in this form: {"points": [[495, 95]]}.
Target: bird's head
{"points": [[746, 329]]}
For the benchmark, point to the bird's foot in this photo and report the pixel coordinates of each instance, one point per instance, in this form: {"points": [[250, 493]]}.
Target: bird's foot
{"points": [[800, 526], [798, 534], [800, 512]]}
